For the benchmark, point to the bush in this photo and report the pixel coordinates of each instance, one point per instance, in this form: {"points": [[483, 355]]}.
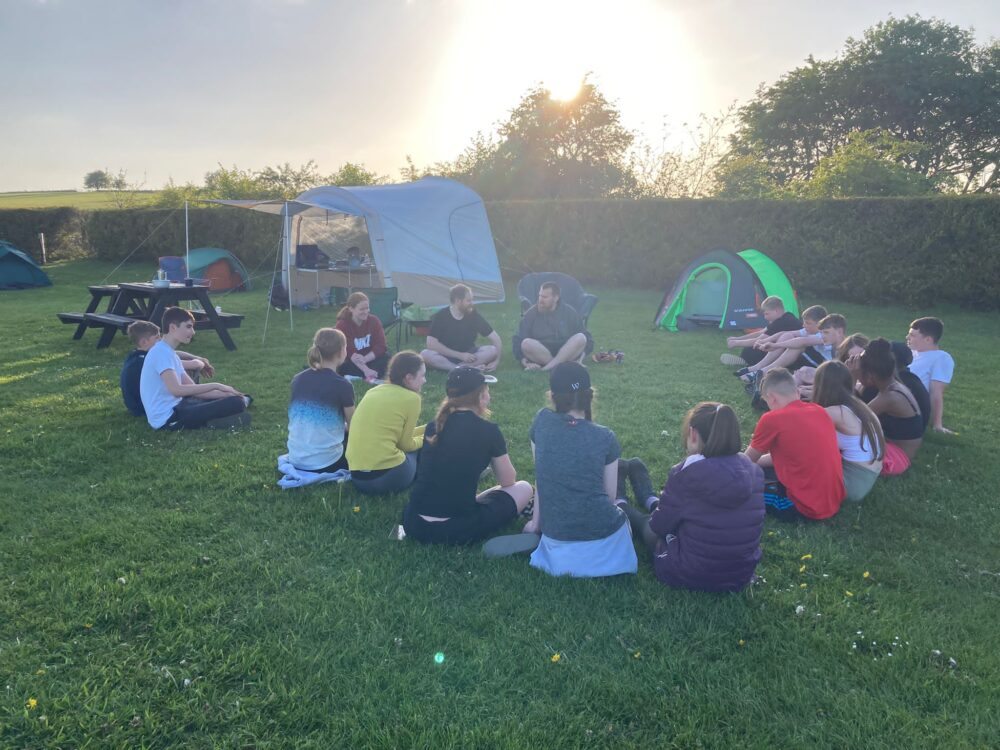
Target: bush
{"points": [[61, 226]]}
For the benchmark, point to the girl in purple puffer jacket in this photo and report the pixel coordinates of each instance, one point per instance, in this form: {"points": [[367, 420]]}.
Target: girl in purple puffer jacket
{"points": [[705, 532]]}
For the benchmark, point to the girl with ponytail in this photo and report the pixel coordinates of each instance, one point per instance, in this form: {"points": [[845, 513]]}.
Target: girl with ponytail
{"points": [[445, 505], [704, 533], [320, 408]]}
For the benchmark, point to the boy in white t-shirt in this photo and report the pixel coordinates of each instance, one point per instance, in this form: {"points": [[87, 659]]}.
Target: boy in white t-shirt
{"points": [[171, 399], [932, 365]]}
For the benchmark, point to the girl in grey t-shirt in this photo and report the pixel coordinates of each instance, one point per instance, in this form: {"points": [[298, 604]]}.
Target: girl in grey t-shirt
{"points": [[583, 533]]}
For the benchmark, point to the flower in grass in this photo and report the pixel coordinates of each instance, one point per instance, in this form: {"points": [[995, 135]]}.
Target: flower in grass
{"points": [[803, 585], [802, 568], [849, 593], [555, 657], [88, 625], [40, 671], [866, 574], [32, 704], [637, 655], [799, 610], [806, 556], [356, 508], [741, 643]]}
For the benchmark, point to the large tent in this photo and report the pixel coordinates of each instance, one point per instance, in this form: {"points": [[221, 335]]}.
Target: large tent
{"points": [[722, 289], [18, 270], [421, 237]]}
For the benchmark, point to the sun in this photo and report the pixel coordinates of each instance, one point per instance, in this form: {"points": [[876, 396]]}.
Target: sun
{"points": [[638, 56]]}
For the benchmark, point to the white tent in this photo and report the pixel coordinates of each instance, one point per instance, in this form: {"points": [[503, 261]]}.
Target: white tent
{"points": [[423, 237]]}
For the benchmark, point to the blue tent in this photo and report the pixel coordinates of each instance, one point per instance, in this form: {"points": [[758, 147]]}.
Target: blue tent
{"points": [[423, 238], [18, 270]]}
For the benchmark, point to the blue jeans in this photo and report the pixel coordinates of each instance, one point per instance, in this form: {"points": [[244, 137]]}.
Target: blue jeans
{"points": [[396, 479]]}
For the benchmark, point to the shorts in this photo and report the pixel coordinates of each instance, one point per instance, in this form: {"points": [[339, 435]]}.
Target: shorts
{"points": [[777, 501], [895, 462], [487, 517], [809, 357]]}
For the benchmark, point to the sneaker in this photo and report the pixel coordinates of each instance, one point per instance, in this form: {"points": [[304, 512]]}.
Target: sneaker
{"points": [[740, 373], [232, 422], [732, 360], [511, 544]]}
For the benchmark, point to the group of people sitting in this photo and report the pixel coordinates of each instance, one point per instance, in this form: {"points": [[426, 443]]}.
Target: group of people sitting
{"points": [[828, 433], [842, 410]]}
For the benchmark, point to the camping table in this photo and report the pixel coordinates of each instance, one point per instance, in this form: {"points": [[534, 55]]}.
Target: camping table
{"points": [[147, 302], [97, 293]]}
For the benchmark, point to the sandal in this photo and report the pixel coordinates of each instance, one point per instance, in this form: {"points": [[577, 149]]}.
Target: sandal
{"points": [[603, 356]]}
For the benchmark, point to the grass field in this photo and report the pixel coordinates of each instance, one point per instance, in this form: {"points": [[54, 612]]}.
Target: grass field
{"points": [[159, 591], [89, 201]]}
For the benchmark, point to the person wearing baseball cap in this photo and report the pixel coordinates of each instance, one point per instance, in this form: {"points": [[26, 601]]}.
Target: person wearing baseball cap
{"points": [[583, 532], [444, 506]]}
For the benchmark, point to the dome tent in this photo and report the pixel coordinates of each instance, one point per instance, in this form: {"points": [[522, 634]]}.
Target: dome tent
{"points": [[221, 268], [722, 289], [18, 270]]}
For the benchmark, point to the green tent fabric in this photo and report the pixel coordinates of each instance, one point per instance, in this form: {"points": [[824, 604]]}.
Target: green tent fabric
{"points": [[722, 289], [202, 257], [18, 270]]}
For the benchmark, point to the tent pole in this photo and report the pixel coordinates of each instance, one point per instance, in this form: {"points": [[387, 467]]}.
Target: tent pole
{"points": [[286, 249], [187, 242]]}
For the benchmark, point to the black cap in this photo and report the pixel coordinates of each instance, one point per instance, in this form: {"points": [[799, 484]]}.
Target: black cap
{"points": [[463, 380], [569, 377]]}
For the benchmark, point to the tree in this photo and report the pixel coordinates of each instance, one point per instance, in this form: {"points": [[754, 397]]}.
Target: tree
{"points": [[869, 164], [920, 81], [237, 184], [124, 194], [97, 180], [354, 174]]}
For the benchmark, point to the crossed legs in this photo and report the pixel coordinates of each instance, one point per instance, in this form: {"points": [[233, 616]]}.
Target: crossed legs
{"points": [[536, 355]]}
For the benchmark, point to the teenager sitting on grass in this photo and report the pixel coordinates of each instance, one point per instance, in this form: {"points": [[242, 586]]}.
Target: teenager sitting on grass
{"points": [[934, 366], [459, 444], [791, 350], [859, 433], [895, 406], [367, 353], [584, 533], [772, 309], [705, 531], [382, 451], [796, 445], [172, 400], [143, 335], [320, 409]]}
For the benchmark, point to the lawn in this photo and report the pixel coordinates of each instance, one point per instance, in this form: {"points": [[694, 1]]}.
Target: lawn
{"points": [[160, 591], [86, 201]]}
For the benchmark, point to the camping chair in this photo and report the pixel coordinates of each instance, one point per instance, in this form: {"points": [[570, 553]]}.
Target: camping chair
{"points": [[176, 269], [570, 292], [384, 305]]}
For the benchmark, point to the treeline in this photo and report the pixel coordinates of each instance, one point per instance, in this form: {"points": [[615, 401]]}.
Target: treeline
{"points": [[917, 251]]}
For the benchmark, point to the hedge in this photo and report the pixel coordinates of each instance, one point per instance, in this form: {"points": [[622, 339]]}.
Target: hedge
{"points": [[914, 251]]}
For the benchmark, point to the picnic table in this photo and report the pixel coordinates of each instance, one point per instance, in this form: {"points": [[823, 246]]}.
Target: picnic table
{"points": [[129, 302]]}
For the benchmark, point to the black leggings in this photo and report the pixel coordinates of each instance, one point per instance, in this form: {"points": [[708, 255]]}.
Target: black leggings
{"points": [[193, 413], [640, 526]]}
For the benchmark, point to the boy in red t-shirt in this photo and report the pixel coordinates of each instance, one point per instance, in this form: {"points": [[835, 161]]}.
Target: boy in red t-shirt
{"points": [[797, 443]]}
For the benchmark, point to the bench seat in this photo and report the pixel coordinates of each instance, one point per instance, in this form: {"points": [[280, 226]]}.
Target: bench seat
{"points": [[109, 320]]}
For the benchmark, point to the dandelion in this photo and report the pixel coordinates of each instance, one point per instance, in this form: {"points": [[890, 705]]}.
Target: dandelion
{"points": [[40, 671], [741, 643], [806, 556], [356, 509], [555, 657], [866, 574], [849, 593], [88, 625], [803, 585], [800, 609], [32, 704], [637, 655], [802, 568]]}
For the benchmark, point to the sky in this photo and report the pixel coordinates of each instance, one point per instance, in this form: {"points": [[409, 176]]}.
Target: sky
{"points": [[170, 89]]}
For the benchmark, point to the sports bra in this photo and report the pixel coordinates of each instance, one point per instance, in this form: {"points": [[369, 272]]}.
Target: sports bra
{"points": [[854, 448], [903, 428]]}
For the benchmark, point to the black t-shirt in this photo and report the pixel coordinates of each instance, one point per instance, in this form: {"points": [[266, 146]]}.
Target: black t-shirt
{"points": [[129, 381], [449, 467], [459, 335], [786, 322]]}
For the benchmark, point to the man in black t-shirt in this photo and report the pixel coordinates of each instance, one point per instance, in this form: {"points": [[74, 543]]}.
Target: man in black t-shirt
{"points": [[452, 339]]}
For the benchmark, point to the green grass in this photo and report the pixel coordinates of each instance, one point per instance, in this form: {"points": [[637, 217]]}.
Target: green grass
{"points": [[88, 201], [300, 624]]}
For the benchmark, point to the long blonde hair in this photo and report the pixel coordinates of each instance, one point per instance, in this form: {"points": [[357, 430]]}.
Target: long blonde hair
{"points": [[328, 343], [354, 300]]}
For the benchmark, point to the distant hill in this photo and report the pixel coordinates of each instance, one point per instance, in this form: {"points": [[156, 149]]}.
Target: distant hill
{"points": [[92, 200]]}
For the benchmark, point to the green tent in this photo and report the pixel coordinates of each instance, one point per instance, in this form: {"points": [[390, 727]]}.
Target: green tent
{"points": [[222, 270], [18, 270], [721, 289]]}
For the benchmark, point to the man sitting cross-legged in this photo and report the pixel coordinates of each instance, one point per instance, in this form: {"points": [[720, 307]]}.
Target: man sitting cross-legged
{"points": [[551, 332], [171, 399], [452, 339]]}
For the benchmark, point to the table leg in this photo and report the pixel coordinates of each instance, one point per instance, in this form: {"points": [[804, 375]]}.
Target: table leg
{"points": [[220, 327], [119, 306], [95, 300]]}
